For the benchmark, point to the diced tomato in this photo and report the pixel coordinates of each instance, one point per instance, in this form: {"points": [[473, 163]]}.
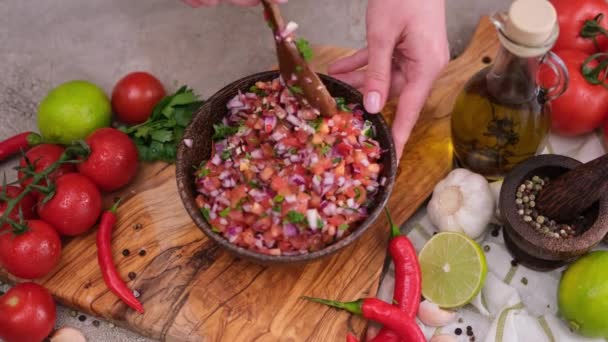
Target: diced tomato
{"points": [[282, 129], [236, 216], [344, 149], [251, 121], [252, 140], [324, 128], [322, 165], [330, 139], [291, 142], [374, 168], [359, 156], [218, 225], [370, 149], [339, 171], [262, 225], [267, 151], [280, 185], [302, 137], [266, 173], [350, 192], [317, 139], [200, 201], [315, 201], [257, 208], [336, 220], [249, 219]]}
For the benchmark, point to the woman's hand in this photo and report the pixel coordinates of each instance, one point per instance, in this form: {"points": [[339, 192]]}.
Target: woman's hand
{"points": [[406, 49], [207, 3]]}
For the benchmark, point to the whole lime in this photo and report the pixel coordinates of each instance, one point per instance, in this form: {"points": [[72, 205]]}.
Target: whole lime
{"points": [[72, 111], [583, 295]]}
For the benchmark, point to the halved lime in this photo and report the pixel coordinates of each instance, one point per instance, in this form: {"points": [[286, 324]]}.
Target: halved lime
{"points": [[453, 269]]}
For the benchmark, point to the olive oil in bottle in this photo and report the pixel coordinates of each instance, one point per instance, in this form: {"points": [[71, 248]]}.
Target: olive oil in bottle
{"points": [[501, 117]]}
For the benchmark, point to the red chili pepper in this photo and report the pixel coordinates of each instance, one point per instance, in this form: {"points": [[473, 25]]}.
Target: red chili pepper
{"points": [[104, 257], [408, 279], [18, 143], [379, 311], [351, 338]]}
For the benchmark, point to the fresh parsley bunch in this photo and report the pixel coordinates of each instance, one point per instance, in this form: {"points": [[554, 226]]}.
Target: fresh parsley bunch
{"points": [[157, 138]]}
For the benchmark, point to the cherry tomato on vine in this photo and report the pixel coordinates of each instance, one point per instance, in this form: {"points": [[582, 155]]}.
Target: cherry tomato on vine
{"points": [[75, 207], [41, 157], [32, 253], [135, 96], [27, 313], [113, 161]]}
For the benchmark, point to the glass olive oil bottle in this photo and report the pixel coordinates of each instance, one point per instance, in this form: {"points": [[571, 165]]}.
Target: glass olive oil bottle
{"points": [[501, 117]]}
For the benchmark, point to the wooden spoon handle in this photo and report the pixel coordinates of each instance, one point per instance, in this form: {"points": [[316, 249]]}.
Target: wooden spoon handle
{"points": [[273, 16], [570, 194]]}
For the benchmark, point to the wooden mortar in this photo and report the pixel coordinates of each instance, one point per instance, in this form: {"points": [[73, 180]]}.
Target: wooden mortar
{"points": [[531, 248]]}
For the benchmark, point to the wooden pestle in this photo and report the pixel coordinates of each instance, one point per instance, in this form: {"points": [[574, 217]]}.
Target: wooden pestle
{"points": [[304, 82], [567, 196]]}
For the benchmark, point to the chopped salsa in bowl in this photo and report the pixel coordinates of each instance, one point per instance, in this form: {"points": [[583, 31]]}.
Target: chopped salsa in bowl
{"points": [[283, 180]]}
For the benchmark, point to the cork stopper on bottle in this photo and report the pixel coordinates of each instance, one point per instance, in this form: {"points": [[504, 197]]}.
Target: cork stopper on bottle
{"points": [[530, 27]]}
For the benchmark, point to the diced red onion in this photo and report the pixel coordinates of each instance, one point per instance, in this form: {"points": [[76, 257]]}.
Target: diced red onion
{"points": [[257, 154], [247, 207], [294, 158], [290, 199], [363, 211], [356, 182], [224, 174], [307, 80], [235, 103], [270, 122], [341, 181], [223, 221], [298, 179], [312, 216], [276, 136], [212, 215], [370, 188], [290, 28], [294, 77], [233, 238], [188, 142], [234, 230], [293, 120], [280, 112], [214, 193], [259, 243], [251, 95], [330, 123], [350, 203], [216, 160], [289, 230], [329, 179], [290, 108], [383, 181], [302, 188], [314, 158]]}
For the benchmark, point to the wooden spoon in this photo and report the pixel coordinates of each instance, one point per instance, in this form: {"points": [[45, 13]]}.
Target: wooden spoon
{"points": [[567, 196], [296, 73]]}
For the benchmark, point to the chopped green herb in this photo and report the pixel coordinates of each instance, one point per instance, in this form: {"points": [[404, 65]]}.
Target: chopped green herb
{"points": [[320, 223], [205, 212], [325, 149], [157, 138], [258, 91], [316, 123], [225, 212], [299, 68], [368, 130], [204, 173], [222, 131], [357, 193], [343, 226], [368, 144], [304, 48], [226, 154], [215, 230], [254, 184], [296, 90], [336, 160], [276, 209], [295, 217], [292, 150], [341, 102], [248, 155], [278, 199]]}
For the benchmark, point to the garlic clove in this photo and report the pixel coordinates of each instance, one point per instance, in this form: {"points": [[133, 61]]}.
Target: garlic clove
{"points": [[68, 334], [444, 338], [430, 314], [496, 187]]}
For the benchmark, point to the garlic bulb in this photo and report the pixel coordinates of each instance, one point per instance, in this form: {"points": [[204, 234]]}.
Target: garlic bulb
{"points": [[462, 202], [68, 334], [430, 314]]}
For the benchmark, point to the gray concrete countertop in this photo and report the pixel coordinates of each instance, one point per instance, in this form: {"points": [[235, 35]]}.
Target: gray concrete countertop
{"points": [[45, 43]]}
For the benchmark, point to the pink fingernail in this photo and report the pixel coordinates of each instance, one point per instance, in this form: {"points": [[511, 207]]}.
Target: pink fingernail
{"points": [[372, 102]]}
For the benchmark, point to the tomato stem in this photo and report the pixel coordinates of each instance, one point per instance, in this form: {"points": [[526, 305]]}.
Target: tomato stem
{"points": [[596, 75], [592, 28]]}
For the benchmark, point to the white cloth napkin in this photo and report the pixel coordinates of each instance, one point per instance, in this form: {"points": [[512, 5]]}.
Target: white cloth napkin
{"points": [[516, 304]]}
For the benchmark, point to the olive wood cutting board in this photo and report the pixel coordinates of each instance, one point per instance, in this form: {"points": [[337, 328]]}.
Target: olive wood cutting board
{"points": [[194, 291]]}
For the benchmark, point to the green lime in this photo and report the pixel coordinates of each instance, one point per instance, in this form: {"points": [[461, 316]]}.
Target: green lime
{"points": [[453, 269], [583, 295], [72, 111]]}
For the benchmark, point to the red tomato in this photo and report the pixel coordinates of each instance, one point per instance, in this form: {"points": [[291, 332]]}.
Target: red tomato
{"points": [[32, 254], [113, 160], [42, 156], [27, 204], [583, 107], [27, 313], [571, 16], [135, 96], [75, 207]]}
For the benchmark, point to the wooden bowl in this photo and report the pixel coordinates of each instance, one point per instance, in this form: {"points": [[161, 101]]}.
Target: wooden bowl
{"points": [[200, 131], [531, 248]]}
